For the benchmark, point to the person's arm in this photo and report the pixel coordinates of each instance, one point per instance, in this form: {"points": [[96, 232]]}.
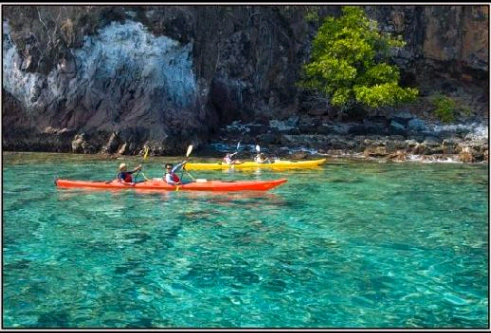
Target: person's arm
{"points": [[138, 168], [178, 166], [168, 179]]}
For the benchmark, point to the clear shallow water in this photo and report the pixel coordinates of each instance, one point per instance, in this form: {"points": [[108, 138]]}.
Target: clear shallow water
{"points": [[348, 245]]}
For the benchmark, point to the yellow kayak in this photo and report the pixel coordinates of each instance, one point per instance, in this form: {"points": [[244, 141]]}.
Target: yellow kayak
{"points": [[275, 164]]}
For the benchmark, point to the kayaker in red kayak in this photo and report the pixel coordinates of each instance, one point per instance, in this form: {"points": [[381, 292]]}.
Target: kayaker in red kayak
{"points": [[124, 175], [170, 176]]}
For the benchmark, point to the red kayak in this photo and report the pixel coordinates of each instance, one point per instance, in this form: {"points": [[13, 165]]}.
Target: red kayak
{"points": [[160, 185]]}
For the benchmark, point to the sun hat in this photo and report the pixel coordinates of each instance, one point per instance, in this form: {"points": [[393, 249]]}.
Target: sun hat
{"points": [[122, 166]]}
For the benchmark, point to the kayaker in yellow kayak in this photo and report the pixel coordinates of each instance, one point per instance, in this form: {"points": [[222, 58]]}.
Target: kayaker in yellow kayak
{"points": [[228, 159], [124, 175], [261, 158]]}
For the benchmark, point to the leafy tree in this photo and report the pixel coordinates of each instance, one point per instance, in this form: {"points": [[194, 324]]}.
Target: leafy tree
{"points": [[349, 63]]}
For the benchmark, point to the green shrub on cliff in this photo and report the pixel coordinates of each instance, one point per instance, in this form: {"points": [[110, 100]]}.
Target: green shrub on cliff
{"points": [[349, 63], [444, 108]]}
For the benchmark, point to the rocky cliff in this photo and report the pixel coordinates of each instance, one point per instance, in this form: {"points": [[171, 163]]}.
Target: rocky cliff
{"points": [[116, 78]]}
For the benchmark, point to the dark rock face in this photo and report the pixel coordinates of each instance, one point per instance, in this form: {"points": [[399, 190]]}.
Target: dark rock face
{"points": [[111, 79]]}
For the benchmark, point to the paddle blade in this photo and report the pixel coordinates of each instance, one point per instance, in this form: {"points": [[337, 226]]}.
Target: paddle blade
{"points": [[238, 145], [190, 149], [146, 154], [258, 149]]}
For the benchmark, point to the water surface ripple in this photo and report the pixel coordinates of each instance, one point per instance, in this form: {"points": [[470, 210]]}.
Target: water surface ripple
{"points": [[348, 245]]}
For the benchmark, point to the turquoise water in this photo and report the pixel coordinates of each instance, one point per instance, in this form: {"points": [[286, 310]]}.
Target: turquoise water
{"points": [[349, 245]]}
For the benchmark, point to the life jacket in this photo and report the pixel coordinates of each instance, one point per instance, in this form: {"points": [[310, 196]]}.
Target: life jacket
{"points": [[127, 177], [175, 177]]}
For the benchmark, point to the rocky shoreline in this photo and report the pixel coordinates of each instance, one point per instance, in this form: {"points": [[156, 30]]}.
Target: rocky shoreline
{"points": [[399, 138], [396, 138]]}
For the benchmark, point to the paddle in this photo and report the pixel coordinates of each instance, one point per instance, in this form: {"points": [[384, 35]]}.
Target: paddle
{"points": [[188, 152], [199, 180], [145, 155], [236, 150], [190, 149]]}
